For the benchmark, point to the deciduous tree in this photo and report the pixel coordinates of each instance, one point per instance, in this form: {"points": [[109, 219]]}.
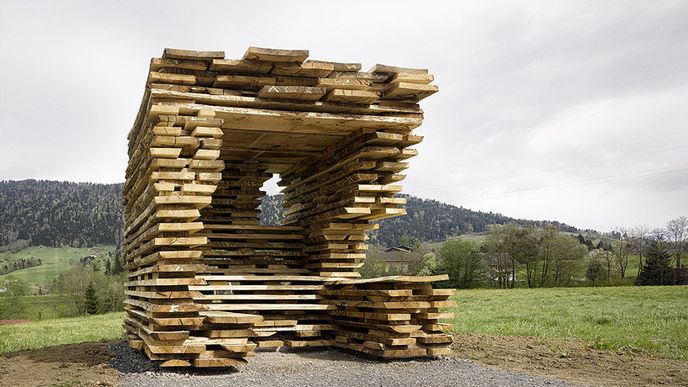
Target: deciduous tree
{"points": [[461, 259], [622, 250], [677, 232]]}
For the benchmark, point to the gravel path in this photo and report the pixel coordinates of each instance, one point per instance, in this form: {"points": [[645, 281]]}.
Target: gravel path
{"points": [[321, 367]]}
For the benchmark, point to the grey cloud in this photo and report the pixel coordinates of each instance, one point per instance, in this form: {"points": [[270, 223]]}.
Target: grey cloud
{"points": [[527, 90]]}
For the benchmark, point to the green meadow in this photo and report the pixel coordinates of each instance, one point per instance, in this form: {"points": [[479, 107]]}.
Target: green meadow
{"points": [[651, 319], [56, 260]]}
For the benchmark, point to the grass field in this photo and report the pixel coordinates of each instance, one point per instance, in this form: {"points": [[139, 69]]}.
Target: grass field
{"points": [[649, 319], [476, 238], [60, 331], [56, 260]]}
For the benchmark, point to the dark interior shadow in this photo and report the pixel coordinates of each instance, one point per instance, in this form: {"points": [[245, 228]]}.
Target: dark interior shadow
{"points": [[89, 353]]}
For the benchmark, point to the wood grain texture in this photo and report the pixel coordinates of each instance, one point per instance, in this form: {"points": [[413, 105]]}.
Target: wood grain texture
{"points": [[207, 282]]}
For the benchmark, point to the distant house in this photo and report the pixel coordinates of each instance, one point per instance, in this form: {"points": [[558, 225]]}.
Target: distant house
{"points": [[398, 248], [399, 258]]}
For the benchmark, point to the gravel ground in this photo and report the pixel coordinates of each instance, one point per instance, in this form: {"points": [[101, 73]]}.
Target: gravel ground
{"points": [[321, 367]]}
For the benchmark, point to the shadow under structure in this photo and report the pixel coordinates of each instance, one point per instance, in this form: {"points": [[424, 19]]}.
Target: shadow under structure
{"points": [[207, 282]]}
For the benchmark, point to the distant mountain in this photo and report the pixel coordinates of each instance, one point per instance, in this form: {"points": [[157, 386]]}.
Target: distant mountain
{"points": [[54, 213], [427, 220]]}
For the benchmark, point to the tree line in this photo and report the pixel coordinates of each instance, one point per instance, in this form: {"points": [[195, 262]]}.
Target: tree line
{"points": [[426, 220], [659, 251], [18, 264], [512, 255], [52, 213]]}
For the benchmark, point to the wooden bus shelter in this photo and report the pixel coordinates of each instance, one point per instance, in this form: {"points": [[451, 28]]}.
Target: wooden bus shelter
{"points": [[208, 283]]}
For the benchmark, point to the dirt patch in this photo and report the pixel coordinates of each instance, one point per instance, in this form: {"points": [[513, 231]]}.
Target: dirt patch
{"points": [[14, 322], [571, 360], [84, 364]]}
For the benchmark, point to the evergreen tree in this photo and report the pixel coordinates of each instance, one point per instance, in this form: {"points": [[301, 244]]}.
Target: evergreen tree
{"points": [[657, 266], [117, 266], [91, 299]]}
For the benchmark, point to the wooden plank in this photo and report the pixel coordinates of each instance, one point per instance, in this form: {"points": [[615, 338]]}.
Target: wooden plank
{"points": [[301, 93], [393, 278], [240, 66], [258, 287], [248, 82], [352, 96], [303, 122], [243, 297], [255, 307], [307, 69], [275, 55], [381, 68], [220, 317], [338, 66], [175, 53], [264, 278], [159, 63], [411, 91]]}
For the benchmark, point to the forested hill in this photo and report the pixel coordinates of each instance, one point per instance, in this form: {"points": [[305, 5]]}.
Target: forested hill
{"points": [[52, 213], [427, 220]]}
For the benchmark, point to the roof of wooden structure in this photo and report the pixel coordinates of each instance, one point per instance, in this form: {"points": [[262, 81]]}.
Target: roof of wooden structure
{"points": [[278, 106]]}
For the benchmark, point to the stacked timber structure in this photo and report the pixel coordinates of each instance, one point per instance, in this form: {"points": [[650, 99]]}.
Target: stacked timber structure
{"points": [[208, 283]]}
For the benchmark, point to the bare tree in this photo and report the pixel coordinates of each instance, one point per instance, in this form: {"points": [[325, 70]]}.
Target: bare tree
{"points": [[500, 261], [639, 236], [521, 243], [546, 252], [622, 250], [677, 232]]}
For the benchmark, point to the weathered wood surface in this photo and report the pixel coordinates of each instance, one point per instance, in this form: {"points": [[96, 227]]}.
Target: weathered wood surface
{"points": [[207, 283]]}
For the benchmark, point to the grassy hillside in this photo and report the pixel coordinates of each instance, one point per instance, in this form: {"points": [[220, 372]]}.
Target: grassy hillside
{"points": [[52, 213], [426, 220], [475, 238], [55, 213], [652, 319], [56, 260]]}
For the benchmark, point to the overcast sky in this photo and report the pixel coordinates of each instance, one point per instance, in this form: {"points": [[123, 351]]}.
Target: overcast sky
{"points": [[573, 111]]}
